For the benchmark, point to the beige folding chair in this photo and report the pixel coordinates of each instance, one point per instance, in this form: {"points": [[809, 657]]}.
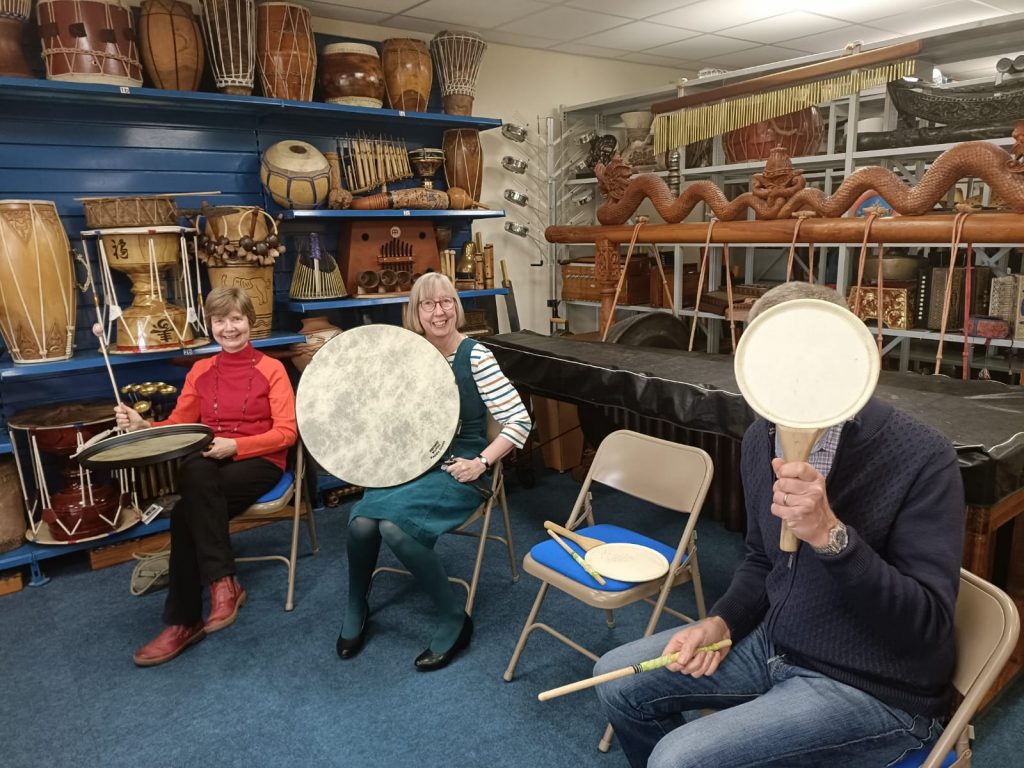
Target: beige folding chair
{"points": [[483, 534], [284, 501], [987, 628], [657, 471]]}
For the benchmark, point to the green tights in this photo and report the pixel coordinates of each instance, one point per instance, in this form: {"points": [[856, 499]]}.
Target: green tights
{"points": [[363, 545]]}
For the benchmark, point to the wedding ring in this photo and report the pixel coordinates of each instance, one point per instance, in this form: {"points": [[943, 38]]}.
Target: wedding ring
{"points": [[785, 500]]}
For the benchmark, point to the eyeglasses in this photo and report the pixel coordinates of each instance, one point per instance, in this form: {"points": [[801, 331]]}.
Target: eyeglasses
{"points": [[445, 303]]}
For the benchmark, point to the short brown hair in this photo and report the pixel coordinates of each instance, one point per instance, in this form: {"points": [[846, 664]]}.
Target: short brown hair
{"points": [[432, 285], [221, 302], [794, 290]]}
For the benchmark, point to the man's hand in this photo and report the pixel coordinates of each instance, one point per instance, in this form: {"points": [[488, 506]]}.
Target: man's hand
{"points": [[686, 641], [221, 448], [800, 501]]}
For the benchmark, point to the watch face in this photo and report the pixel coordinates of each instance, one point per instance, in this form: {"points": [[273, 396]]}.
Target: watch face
{"points": [[837, 538]]}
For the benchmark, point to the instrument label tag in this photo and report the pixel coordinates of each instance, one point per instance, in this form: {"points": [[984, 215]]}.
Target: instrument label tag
{"points": [[151, 512]]}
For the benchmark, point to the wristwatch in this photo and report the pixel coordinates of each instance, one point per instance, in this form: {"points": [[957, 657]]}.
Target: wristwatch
{"points": [[837, 540], [483, 460]]}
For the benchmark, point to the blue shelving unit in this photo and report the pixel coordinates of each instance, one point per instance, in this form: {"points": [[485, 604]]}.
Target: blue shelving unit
{"points": [[391, 214], [372, 301]]}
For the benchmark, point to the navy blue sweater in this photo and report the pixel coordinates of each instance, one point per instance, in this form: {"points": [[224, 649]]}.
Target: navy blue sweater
{"points": [[879, 616]]}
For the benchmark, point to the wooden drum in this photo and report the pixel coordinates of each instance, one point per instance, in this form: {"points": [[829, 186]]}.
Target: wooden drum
{"points": [[13, 15], [463, 160], [408, 73], [230, 30], [89, 41], [37, 282], [172, 45], [286, 51], [457, 56], [257, 281], [350, 73], [799, 132], [296, 174]]}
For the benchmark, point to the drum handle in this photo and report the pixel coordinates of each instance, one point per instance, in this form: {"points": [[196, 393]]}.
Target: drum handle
{"points": [[80, 258], [257, 211]]}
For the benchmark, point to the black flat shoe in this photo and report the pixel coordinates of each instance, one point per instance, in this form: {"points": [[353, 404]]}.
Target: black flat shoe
{"points": [[428, 661], [350, 646]]}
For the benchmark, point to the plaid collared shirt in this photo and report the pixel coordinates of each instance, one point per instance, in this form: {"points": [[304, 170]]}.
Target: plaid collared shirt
{"points": [[824, 451]]}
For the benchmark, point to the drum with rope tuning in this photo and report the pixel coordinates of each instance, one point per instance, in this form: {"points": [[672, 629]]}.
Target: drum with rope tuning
{"points": [[89, 41]]}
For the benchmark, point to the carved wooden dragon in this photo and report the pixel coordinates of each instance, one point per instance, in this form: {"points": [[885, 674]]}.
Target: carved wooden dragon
{"points": [[781, 191]]}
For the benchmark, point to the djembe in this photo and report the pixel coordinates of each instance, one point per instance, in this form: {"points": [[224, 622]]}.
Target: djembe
{"points": [[457, 57], [230, 30]]}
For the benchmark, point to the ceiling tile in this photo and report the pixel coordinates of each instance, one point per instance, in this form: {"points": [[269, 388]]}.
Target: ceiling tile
{"points": [[714, 15], [1010, 6], [634, 9], [476, 14], [328, 10], [699, 48], [659, 61], [588, 50], [784, 27], [637, 36], [563, 23], [413, 24], [522, 41], [836, 39], [860, 11], [937, 16], [753, 57]]}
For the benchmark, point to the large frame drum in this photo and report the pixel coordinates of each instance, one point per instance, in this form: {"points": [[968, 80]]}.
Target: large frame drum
{"points": [[230, 30], [164, 313], [286, 51], [13, 15], [38, 293], [81, 505], [89, 41]]}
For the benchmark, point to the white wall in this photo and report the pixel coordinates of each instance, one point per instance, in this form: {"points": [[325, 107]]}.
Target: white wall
{"points": [[520, 84]]}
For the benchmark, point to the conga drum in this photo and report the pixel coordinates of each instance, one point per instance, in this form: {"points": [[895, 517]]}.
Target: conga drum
{"points": [[457, 57], [286, 51], [171, 44], [13, 15], [230, 30], [89, 41], [296, 174], [408, 73], [350, 73], [463, 160], [37, 282], [799, 132]]}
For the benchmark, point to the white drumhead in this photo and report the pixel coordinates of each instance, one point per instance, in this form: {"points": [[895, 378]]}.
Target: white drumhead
{"points": [[807, 364], [377, 406], [627, 562]]}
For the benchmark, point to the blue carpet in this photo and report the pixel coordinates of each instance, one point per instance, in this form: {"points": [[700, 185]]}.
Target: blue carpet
{"points": [[270, 690]]}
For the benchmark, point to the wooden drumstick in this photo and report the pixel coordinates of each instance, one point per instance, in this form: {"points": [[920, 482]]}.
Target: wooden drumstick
{"points": [[97, 329], [615, 674], [579, 560]]}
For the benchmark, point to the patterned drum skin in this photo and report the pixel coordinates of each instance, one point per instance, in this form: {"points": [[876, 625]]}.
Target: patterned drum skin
{"points": [[89, 41], [37, 282], [172, 45], [350, 73], [377, 406]]}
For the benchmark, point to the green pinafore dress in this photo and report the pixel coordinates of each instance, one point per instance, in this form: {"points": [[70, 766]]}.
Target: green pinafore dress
{"points": [[435, 502]]}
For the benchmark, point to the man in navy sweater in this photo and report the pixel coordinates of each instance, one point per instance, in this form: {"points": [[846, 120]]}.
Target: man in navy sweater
{"points": [[842, 652]]}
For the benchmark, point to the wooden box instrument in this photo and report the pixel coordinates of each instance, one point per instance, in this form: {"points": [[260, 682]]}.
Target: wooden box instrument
{"points": [[899, 304], [386, 256], [690, 276], [1007, 302], [579, 282], [743, 298], [981, 278]]}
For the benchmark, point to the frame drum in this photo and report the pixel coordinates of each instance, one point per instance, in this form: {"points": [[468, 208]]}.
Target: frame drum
{"points": [[144, 446], [377, 406]]}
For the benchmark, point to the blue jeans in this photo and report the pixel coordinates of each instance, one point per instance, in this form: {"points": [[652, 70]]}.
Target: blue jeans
{"points": [[770, 713]]}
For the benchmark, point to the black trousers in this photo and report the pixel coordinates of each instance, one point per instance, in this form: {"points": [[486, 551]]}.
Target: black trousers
{"points": [[212, 492]]}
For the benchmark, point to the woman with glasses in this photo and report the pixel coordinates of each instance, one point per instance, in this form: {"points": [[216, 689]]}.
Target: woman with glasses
{"points": [[410, 517]]}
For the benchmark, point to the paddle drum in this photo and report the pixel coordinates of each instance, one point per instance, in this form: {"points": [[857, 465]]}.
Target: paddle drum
{"points": [[37, 282], [377, 406], [89, 41], [806, 365]]}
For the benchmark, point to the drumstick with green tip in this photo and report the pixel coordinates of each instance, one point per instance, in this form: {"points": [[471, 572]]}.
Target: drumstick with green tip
{"points": [[615, 674], [579, 560]]}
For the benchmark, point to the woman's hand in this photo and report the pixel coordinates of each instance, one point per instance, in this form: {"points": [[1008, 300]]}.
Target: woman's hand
{"points": [[221, 448], [686, 641], [465, 470], [129, 419]]}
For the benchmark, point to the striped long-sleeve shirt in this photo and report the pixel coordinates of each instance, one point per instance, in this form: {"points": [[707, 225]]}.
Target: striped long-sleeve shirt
{"points": [[499, 396]]}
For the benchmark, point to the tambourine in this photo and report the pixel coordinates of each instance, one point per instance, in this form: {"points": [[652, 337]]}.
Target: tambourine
{"points": [[377, 406], [144, 447], [806, 365]]}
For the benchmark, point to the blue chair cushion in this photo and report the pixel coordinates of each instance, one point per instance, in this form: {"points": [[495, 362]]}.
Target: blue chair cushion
{"points": [[918, 756], [549, 554], [279, 490]]}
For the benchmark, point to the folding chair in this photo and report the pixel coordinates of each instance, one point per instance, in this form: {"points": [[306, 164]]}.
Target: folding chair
{"points": [[483, 534], [668, 474], [285, 500], [987, 628]]}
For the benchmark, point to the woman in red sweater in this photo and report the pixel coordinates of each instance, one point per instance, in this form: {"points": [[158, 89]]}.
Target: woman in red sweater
{"points": [[247, 400]]}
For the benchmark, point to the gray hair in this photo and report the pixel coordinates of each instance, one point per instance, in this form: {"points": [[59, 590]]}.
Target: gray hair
{"points": [[794, 290], [432, 285]]}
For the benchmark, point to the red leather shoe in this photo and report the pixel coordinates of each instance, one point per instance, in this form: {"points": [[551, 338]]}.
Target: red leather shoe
{"points": [[168, 644], [226, 597]]}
